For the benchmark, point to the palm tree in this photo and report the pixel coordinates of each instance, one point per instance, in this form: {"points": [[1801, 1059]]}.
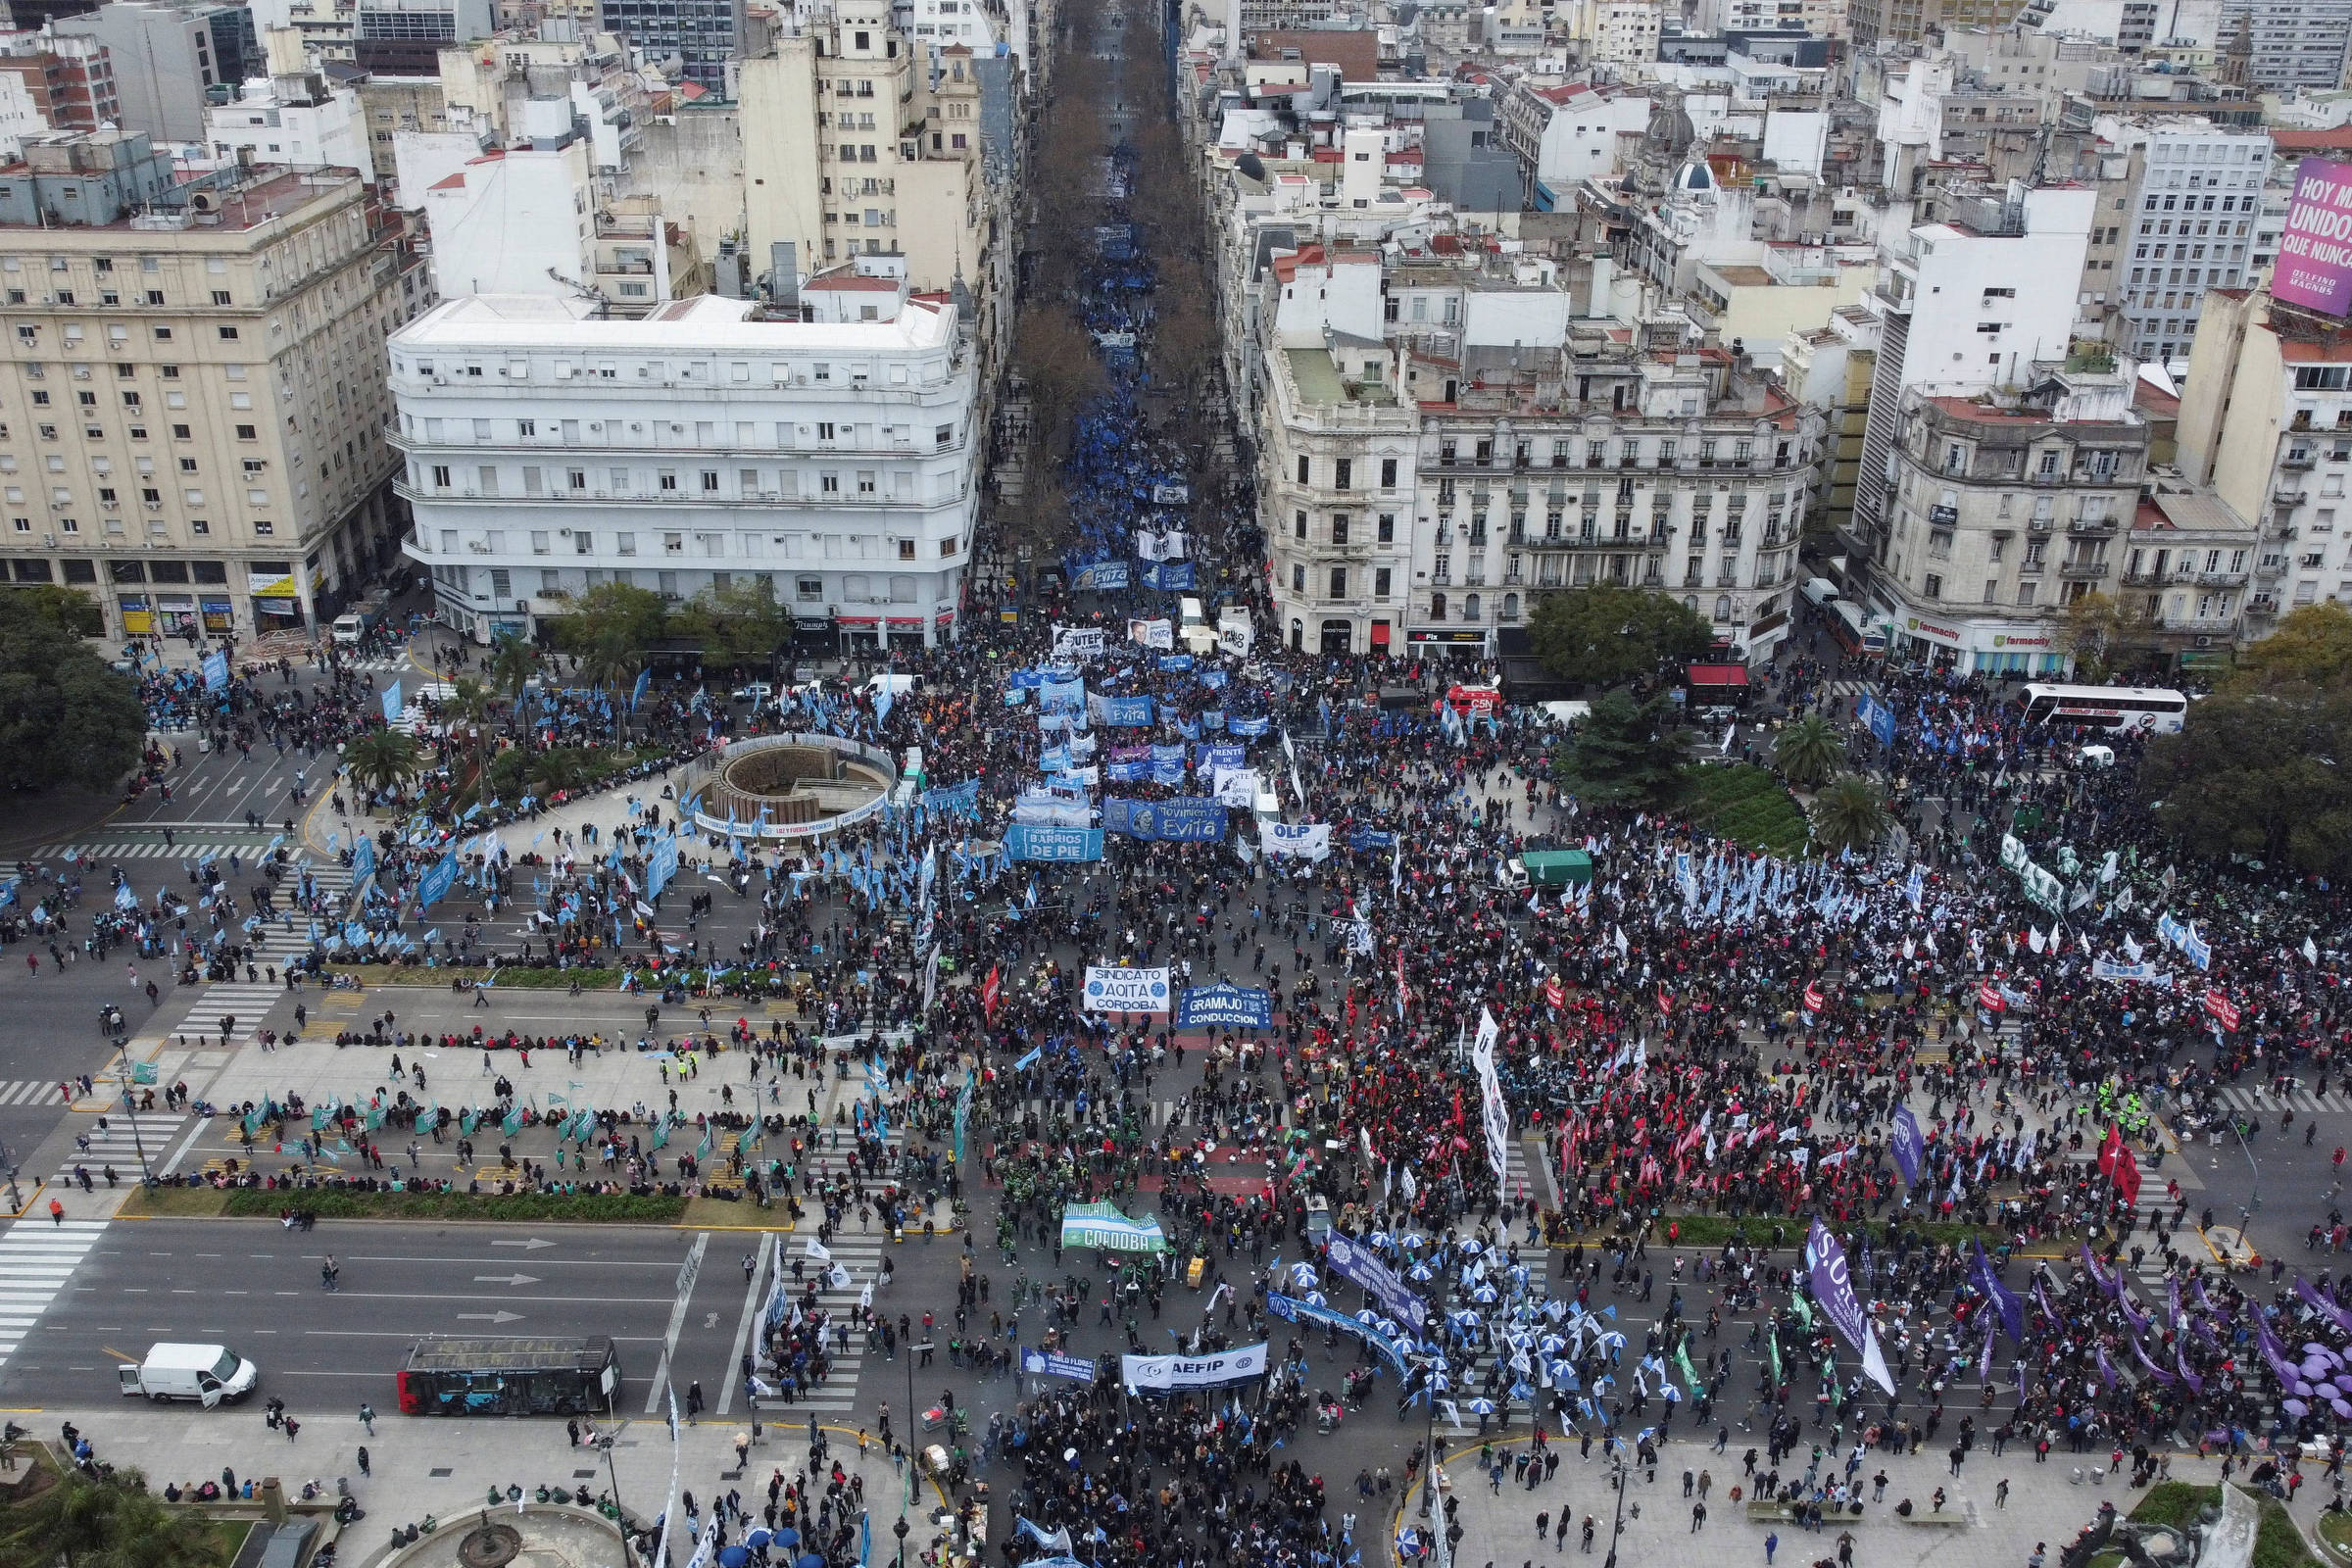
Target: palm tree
{"points": [[106, 1524], [383, 758], [1808, 751], [471, 703], [1849, 814], [513, 663], [144, 1533]]}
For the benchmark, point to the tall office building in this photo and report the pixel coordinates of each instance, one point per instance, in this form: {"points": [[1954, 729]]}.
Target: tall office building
{"points": [[406, 37], [701, 36], [2297, 43], [166, 57]]}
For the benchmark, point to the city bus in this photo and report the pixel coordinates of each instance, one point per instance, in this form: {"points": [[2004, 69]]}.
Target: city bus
{"points": [[528, 1376], [2123, 709]]}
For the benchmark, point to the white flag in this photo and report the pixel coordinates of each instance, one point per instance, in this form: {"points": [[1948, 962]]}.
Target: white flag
{"points": [[2311, 950]]}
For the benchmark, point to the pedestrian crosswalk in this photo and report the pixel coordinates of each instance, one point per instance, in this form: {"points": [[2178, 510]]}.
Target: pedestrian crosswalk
{"points": [[1847, 688], [412, 714], [860, 1257], [193, 851], [36, 1259], [30, 1091], [2255, 1100], [231, 1010], [120, 1142], [379, 663]]}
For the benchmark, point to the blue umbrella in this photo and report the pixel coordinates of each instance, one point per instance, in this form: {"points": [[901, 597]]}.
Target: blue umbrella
{"points": [[1302, 1274], [1378, 1238], [1315, 1298], [1485, 1293], [762, 1537], [809, 1559], [734, 1556], [1479, 1407], [1421, 1271]]}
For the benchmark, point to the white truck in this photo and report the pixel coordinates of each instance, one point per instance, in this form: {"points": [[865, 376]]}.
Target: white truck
{"points": [[208, 1374]]}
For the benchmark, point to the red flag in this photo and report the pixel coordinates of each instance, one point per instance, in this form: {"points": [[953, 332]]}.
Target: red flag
{"points": [[1814, 1000], [2222, 1009], [1554, 994], [1989, 997], [2127, 1175], [988, 992], [1665, 1002]]}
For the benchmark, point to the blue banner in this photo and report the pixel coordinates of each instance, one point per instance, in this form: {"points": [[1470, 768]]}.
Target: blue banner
{"points": [[962, 799], [1906, 1145], [392, 703], [1061, 697], [1248, 727], [660, 866], [363, 859], [1357, 1262], [1168, 574], [1186, 819], [1361, 839], [1292, 1309], [216, 671], [438, 879], [1126, 773], [1178, 661], [1100, 574], [1877, 717], [645, 678], [1212, 756], [1224, 1007], [1127, 712], [1024, 841]]}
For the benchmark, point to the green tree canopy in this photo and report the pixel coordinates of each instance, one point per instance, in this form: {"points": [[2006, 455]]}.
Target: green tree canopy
{"points": [[610, 628], [741, 623], [1623, 753], [2262, 774], [2312, 648], [1606, 635], [65, 718]]}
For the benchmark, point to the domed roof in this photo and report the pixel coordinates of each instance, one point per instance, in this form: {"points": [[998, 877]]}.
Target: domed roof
{"points": [[1694, 175]]}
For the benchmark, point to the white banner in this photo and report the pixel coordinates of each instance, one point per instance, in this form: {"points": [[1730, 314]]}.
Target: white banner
{"points": [[1236, 786], [1077, 642], [1493, 1111], [1310, 840], [1192, 1371], [1235, 638], [1152, 633], [1115, 988]]}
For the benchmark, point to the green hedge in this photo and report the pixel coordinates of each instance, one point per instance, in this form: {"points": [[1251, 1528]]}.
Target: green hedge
{"points": [[620, 1208], [2174, 1504], [1747, 806], [2278, 1542]]}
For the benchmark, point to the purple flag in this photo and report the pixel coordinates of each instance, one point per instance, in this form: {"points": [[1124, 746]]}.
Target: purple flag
{"points": [[1833, 1291], [2196, 1384], [1905, 1145], [2097, 1277], [2323, 1304], [2132, 1314], [2003, 1298], [2154, 1371], [2106, 1370], [2173, 1293]]}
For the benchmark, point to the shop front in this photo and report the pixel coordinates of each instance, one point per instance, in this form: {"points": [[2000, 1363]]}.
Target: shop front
{"points": [[138, 615], [219, 615], [1934, 644], [904, 631], [1461, 640], [860, 631], [276, 603], [176, 614], [2014, 650]]}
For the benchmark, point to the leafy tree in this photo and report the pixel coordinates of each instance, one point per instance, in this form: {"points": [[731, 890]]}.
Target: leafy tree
{"points": [[2260, 774], [114, 1523], [1808, 750], [1623, 753], [2312, 647], [65, 718], [70, 609], [513, 663], [2102, 634], [1849, 814], [738, 624], [1606, 635], [383, 758], [610, 628]]}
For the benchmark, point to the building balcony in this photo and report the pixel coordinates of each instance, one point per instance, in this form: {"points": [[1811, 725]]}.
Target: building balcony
{"points": [[2220, 579], [2092, 527], [2083, 570], [2295, 461], [2284, 497], [2143, 579]]}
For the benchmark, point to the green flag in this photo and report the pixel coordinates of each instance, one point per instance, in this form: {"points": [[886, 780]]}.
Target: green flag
{"points": [[702, 1150], [660, 1135], [514, 1122], [1776, 1355], [1682, 1358], [319, 1117], [467, 1120], [376, 1117], [1805, 1311]]}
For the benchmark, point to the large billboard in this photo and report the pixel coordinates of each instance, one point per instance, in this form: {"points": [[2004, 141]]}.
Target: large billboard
{"points": [[2315, 256]]}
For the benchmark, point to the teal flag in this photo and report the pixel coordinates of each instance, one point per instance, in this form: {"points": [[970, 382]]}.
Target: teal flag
{"points": [[467, 1120], [514, 1122], [702, 1150], [661, 1135]]}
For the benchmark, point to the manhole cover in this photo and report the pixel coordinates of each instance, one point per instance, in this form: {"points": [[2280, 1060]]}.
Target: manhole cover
{"points": [[490, 1546]]}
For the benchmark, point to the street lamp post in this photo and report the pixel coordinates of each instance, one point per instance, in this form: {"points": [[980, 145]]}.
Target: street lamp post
{"points": [[131, 1111], [1617, 1524], [620, 1518]]}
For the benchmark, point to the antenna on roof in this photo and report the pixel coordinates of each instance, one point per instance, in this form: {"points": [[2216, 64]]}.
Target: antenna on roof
{"points": [[604, 305]]}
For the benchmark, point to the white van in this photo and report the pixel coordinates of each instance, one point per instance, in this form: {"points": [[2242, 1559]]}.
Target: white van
{"points": [[349, 629], [208, 1374], [1817, 591], [898, 684]]}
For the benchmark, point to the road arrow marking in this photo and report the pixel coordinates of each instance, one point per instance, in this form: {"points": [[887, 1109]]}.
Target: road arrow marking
{"points": [[505, 1279], [489, 1317], [534, 1244]]}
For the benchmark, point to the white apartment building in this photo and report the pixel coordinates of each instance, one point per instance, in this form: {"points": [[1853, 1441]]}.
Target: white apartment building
{"points": [[831, 461], [2195, 192], [294, 120], [195, 435]]}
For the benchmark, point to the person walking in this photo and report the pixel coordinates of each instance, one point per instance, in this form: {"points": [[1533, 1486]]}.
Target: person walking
{"points": [[368, 1417], [1772, 1544], [1698, 1517], [291, 1427], [363, 1460]]}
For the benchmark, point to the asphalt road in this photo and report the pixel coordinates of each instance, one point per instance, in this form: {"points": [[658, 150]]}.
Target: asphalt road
{"points": [[254, 1287]]}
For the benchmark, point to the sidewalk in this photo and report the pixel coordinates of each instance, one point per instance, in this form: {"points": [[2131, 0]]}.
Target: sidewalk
{"points": [[2044, 1507], [445, 1468]]}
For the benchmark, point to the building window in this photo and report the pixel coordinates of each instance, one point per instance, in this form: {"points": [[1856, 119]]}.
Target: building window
{"points": [[1338, 582], [1437, 607], [1338, 527], [1932, 586]]}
